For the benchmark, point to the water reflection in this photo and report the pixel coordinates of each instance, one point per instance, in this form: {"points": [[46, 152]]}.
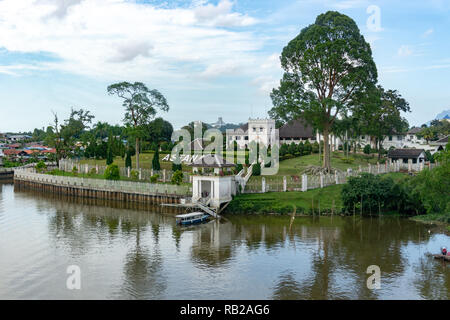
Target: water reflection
{"points": [[135, 251]]}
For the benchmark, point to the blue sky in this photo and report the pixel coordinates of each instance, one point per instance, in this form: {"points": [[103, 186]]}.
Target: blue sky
{"points": [[209, 58]]}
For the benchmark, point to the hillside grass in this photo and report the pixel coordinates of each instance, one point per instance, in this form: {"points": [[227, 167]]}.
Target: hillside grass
{"points": [[328, 199]]}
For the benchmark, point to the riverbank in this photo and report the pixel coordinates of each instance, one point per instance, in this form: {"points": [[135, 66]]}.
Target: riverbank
{"points": [[439, 219], [325, 201]]}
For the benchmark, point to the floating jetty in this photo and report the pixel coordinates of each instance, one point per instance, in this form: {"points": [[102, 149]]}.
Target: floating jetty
{"points": [[442, 257]]}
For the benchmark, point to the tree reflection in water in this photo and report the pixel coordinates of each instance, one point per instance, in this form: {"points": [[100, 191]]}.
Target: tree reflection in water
{"points": [[137, 252]]}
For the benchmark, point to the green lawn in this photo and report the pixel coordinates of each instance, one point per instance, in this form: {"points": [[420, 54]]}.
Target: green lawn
{"points": [[145, 161], [284, 202], [328, 198], [296, 165]]}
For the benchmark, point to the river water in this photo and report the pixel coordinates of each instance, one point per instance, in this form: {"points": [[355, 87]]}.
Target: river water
{"points": [[139, 253]]}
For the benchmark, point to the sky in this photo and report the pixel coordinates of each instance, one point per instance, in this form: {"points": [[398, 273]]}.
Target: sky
{"points": [[209, 59]]}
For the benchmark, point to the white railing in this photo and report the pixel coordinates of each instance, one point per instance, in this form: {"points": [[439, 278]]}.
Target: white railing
{"points": [[103, 185], [67, 165], [306, 182]]}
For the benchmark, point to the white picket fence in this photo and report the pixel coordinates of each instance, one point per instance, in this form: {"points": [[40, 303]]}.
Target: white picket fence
{"points": [[142, 174], [307, 182]]}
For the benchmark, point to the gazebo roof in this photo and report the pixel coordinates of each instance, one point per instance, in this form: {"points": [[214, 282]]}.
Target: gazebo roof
{"points": [[211, 161]]}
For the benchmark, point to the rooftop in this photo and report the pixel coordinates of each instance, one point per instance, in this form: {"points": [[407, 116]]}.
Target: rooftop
{"points": [[405, 153], [211, 161], [296, 129]]}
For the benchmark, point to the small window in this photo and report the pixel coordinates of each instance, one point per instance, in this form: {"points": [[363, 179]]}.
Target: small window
{"points": [[254, 129], [399, 138], [238, 138], [261, 129], [246, 138], [363, 138], [390, 138]]}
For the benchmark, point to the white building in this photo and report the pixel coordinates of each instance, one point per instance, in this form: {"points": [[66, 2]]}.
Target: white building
{"points": [[213, 181], [410, 140], [258, 130]]}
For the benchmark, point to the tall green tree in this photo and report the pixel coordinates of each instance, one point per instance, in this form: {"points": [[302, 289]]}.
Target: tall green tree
{"points": [[325, 66], [140, 104], [381, 114], [155, 161]]}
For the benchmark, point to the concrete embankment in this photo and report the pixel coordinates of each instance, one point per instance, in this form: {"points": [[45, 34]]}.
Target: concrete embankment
{"points": [[129, 191]]}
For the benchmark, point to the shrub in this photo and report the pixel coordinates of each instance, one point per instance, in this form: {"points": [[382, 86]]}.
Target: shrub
{"points": [[40, 166], [367, 149], [92, 172], [307, 148], [155, 161], [112, 172], [238, 168], [128, 159], [75, 170], [375, 193], [315, 147], [154, 178], [134, 174], [347, 160], [177, 177], [256, 170], [109, 155]]}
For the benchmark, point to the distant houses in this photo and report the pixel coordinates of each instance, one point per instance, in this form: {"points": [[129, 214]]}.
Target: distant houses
{"points": [[404, 155]]}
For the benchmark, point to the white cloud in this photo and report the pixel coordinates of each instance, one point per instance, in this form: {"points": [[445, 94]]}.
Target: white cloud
{"points": [[427, 33], [221, 15], [349, 4], [404, 51], [121, 39], [266, 84]]}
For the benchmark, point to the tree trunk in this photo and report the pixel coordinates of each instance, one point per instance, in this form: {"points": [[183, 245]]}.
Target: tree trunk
{"points": [[326, 150], [137, 153]]}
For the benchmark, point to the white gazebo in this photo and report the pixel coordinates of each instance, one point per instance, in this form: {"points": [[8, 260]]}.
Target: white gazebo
{"points": [[213, 181]]}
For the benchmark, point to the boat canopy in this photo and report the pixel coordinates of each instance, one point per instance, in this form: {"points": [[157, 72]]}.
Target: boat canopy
{"points": [[190, 215]]}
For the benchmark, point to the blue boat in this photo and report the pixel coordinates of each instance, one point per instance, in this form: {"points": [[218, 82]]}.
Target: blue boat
{"points": [[191, 218]]}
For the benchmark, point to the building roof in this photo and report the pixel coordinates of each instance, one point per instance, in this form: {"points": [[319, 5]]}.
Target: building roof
{"points": [[414, 130], [197, 144], [296, 129], [443, 140], [8, 152], [211, 161], [405, 153]]}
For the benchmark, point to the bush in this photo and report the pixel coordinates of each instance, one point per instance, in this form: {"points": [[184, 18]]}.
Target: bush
{"points": [[134, 174], [238, 168], [92, 172], [112, 172], [75, 170], [155, 162], [347, 160], [40, 166], [256, 170], [307, 148], [177, 177], [128, 159], [154, 178], [374, 194], [367, 149], [315, 147]]}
